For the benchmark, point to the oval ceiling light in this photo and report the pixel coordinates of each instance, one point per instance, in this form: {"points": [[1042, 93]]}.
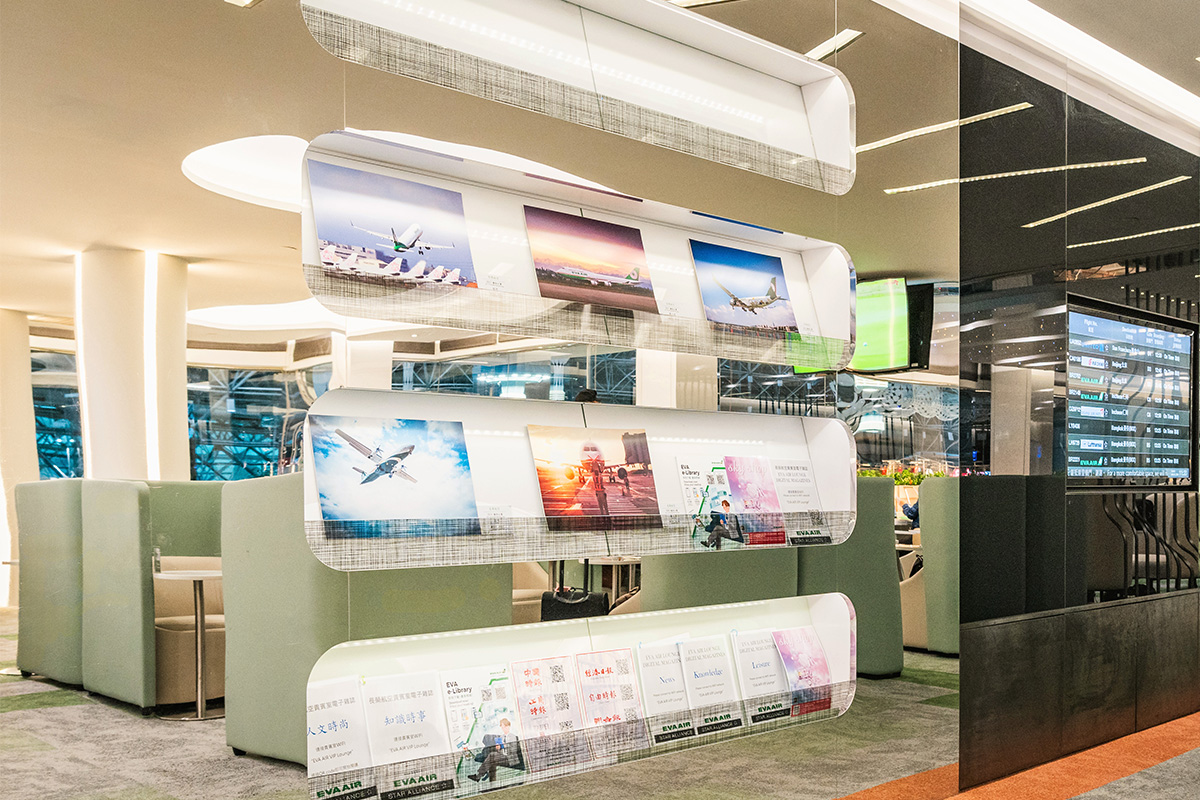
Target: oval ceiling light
{"points": [[264, 170], [642, 69], [299, 315]]}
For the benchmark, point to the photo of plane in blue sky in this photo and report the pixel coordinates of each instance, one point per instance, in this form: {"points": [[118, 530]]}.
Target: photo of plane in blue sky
{"points": [[739, 287], [389, 218]]}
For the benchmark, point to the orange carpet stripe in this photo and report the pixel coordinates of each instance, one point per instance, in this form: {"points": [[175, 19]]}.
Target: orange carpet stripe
{"points": [[934, 784], [1059, 780]]}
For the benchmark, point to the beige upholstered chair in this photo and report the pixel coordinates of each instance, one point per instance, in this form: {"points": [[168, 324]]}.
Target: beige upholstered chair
{"points": [[175, 634], [529, 581], [912, 604], [631, 606]]}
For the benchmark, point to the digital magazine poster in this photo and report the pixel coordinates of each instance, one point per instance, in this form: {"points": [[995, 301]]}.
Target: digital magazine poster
{"points": [[550, 711], [755, 502], [806, 667], [480, 707]]}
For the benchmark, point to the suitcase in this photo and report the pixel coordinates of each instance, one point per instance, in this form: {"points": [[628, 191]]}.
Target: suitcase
{"points": [[564, 603]]}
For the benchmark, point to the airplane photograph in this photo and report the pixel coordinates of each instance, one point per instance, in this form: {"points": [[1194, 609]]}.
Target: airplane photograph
{"points": [[585, 260], [358, 214], [594, 478], [742, 288], [752, 304], [409, 240], [388, 467], [356, 458]]}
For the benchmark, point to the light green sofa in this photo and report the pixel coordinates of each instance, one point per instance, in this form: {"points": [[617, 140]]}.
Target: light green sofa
{"points": [[864, 569], [123, 521], [50, 625], [284, 609], [939, 545]]}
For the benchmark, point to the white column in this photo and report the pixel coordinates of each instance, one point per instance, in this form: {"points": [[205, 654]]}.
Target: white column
{"points": [[1022, 421], [676, 380], [18, 445], [360, 364], [131, 343]]}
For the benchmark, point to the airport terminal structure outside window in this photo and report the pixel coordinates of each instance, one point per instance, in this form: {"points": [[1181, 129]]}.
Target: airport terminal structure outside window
{"points": [[58, 431]]}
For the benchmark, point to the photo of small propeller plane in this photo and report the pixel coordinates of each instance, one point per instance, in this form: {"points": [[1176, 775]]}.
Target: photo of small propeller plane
{"points": [[388, 467], [753, 304]]}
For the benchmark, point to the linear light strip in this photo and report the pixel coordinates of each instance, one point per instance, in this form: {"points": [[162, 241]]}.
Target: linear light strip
{"points": [[1016, 174], [839, 41], [85, 420], [1135, 236], [150, 364], [942, 126], [1108, 200]]}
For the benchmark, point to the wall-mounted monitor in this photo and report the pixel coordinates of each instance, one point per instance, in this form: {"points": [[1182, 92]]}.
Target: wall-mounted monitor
{"points": [[1129, 397], [881, 311]]}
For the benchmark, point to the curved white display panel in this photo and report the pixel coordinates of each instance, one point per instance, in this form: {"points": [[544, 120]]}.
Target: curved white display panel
{"points": [[449, 715], [394, 232], [409, 479], [644, 69]]}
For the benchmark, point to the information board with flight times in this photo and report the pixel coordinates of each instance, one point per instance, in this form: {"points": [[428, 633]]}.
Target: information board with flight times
{"points": [[1129, 400]]}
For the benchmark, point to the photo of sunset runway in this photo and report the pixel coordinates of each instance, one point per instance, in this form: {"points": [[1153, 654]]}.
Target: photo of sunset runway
{"points": [[594, 479]]}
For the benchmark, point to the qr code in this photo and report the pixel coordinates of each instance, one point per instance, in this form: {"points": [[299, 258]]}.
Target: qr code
{"points": [[623, 666], [816, 518], [632, 713], [557, 675], [626, 691], [485, 695], [500, 692], [561, 702], [566, 725]]}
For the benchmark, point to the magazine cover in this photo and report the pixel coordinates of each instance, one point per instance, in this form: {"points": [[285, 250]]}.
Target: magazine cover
{"points": [[406, 721], [807, 669], [388, 469], [742, 288], [755, 504], [550, 711], [337, 727], [667, 709], [384, 229], [595, 478], [708, 501], [711, 688], [588, 261], [481, 710], [761, 677], [611, 701]]}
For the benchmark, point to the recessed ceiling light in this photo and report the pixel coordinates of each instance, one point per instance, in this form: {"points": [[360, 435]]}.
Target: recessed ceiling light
{"points": [[1015, 174], [942, 126], [1135, 236], [830, 46], [1108, 200]]}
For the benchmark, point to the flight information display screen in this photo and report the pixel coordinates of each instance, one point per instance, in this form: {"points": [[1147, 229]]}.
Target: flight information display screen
{"points": [[1129, 401]]}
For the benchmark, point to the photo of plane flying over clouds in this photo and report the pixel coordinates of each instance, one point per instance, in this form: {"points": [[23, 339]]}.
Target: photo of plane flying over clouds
{"points": [[392, 469], [383, 229], [589, 261], [742, 288], [594, 478]]}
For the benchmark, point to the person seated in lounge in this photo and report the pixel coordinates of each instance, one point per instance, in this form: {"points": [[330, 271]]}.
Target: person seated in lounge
{"points": [[499, 750]]}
